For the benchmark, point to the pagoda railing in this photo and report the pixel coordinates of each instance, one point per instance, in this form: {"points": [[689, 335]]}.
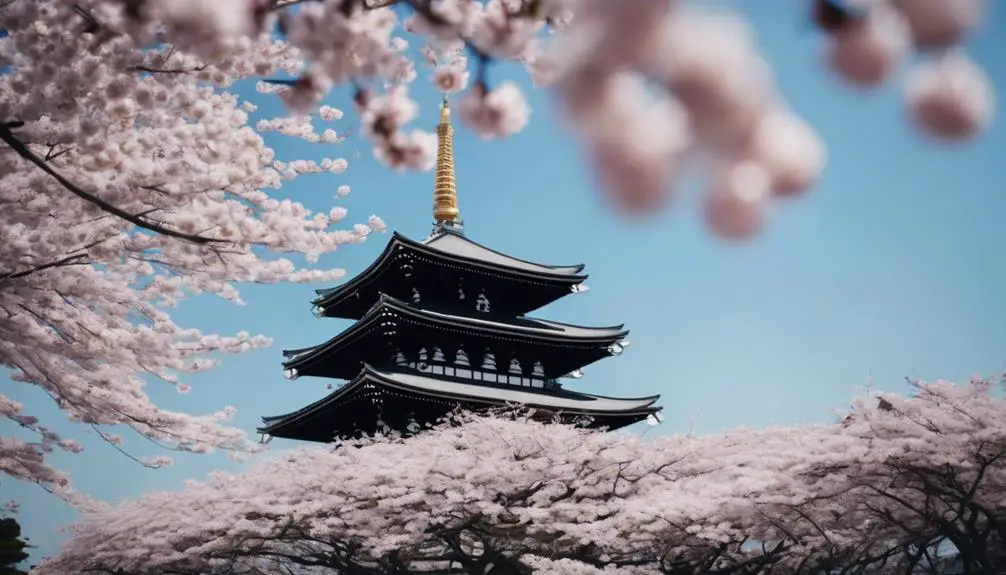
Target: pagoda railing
{"points": [[479, 375]]}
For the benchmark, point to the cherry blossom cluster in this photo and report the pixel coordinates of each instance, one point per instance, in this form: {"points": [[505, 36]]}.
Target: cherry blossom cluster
{"points": [[129, 178], [896, 478], [650, 88]]}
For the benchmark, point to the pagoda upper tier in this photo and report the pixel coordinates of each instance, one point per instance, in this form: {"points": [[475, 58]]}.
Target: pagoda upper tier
{"points": [[395, 332], [410, 401], [451, 272]]}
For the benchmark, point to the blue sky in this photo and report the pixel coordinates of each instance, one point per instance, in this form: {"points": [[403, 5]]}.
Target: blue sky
{"points": [[891, 267]]}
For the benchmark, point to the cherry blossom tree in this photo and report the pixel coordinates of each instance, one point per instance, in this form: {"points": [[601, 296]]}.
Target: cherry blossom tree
{"points": [[881, 489], [129, 177], [934, 472]]}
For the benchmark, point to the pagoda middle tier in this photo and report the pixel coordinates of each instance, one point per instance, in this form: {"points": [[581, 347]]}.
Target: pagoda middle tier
{"points": [[394, 333]]}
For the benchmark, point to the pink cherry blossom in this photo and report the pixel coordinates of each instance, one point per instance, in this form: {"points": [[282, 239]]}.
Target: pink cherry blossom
{"points": [[498, 113], [940, 23], [450, 78], [868, 51], [734, 206], [949, 97], [638, 144], [790, 151], [329, 113]]}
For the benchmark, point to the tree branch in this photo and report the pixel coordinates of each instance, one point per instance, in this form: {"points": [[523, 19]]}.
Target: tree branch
{"points": [[167, 70], [8, 137], [67, 261]]}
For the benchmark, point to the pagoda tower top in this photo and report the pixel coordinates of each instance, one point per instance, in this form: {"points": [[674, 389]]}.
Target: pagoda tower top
{"points": [[445, 192]]}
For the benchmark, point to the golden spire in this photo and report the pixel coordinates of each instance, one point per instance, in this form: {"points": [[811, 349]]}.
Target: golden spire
{"points": [[445, 193]]}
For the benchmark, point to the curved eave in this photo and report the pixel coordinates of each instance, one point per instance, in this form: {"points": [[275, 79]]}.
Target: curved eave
{"points": [[567, 333], [327, 295], [272, 421], [568, 275], [459, 391], [552, 331]]}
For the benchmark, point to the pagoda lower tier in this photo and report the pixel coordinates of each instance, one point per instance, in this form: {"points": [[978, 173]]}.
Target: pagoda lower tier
{"points": [[409, 401]]}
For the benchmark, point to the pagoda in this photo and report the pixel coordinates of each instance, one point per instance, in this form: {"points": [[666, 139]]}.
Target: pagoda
{"points": [[442, 324]]}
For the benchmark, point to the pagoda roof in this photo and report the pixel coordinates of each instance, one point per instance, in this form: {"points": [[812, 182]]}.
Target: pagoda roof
{"points": [[453, 247], [413, 387], [455, 244]]}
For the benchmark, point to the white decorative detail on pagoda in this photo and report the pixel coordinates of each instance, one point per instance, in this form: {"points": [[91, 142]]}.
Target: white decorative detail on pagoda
{"points": [[482, 303], [489, 362], [515, 368], [538, 370]]}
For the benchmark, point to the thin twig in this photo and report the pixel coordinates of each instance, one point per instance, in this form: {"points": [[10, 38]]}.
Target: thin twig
{"points": [[68, 260], [168, 70], [92, 25]]}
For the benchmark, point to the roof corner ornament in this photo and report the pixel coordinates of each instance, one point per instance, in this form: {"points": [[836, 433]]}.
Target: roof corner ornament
{"points": [[445, 194]]}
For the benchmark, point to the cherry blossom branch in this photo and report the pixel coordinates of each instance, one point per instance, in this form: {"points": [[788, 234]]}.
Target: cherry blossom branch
{"points": [[367, 4], [68, 260], [52, 154], [168, 70], [91, 24], [425, 8], [115, 445], [8, 137]]}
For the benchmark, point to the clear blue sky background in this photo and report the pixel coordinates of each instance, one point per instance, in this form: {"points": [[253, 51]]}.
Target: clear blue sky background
{"points": [[892, 267]]}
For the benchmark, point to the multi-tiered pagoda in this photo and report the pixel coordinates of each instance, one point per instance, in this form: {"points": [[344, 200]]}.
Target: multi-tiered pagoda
{"points": [[442, 323]]}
